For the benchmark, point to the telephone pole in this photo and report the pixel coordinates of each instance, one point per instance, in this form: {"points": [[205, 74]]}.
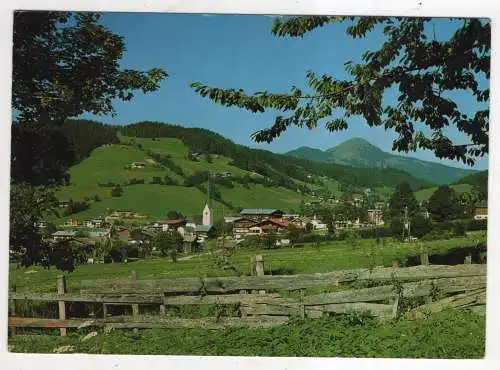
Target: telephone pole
{"points": [[223, 223], [406, 226]]}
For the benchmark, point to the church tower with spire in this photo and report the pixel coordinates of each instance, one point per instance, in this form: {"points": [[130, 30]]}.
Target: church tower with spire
{"points": [[207, 213]]}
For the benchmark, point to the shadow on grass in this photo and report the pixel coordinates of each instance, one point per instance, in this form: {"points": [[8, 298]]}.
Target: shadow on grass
{"points": [[283, 271], [455, 256]]}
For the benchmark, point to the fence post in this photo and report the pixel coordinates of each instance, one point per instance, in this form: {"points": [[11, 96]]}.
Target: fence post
{"points": [[395, 306], [259, 265], [259, 268], [424, 259], [468, 259], [61, 289], [135, 306], [13, 307]]}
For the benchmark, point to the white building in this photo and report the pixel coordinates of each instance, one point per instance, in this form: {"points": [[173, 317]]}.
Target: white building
{"points": [[207, 216]]}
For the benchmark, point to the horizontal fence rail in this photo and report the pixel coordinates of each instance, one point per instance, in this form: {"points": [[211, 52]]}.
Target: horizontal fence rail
{"points": [[288, 282], [261, 301]]}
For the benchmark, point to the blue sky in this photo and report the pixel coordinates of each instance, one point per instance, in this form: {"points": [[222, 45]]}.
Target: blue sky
{"points": [[240, 52]]}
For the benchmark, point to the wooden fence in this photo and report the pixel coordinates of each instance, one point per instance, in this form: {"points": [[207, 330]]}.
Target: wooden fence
{"points": [[263, 301]]}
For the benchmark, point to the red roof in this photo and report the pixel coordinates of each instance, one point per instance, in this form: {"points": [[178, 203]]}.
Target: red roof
{"points": [[281, 223], [175, 222]]}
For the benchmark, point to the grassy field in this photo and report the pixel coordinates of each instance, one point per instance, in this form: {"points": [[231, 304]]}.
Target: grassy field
{"points": [[178, 152], [449, 334], [305, 260], [152, 200], [257, 196], [107, 164], [425, 194]]}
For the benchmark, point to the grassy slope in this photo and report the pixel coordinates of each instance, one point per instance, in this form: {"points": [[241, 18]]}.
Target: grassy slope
{"points": [[449, 334], [259, 196], [176, 149], [106, 164], [425, 194], [306, 260]]}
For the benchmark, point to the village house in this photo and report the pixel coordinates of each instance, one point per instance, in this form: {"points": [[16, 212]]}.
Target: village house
{"points": [[242, 225], [230, 220], [62, 203], [375, 216], [41, 225], [94, 223], [190, 243], [63, 235], [178, 225], [318, 224], [481, 210], [223, 174], [137, 165], [261, 213], [273, 225], [71, 223], [296, 220], [124, 214]]}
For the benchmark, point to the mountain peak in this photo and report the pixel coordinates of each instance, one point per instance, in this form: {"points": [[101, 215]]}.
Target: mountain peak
{"points": [[356, 143], [359, 152]]}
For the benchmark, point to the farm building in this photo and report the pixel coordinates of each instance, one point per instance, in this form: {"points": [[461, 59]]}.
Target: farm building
{"points": [[481, 210], [261, 213], [230, 220], [138, 165], [63, 235], [242, 225], [179, 225], [203, 229], [170, 225], [375, 216], [273, 225], [71, 223], [94, 223]]}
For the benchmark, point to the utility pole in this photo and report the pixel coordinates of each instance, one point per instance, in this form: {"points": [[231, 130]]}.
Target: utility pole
{"points": [[223, 228], [406, 225]]}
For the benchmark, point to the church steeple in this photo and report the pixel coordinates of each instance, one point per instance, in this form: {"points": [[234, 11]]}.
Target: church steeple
{"points": [[207, 213]]}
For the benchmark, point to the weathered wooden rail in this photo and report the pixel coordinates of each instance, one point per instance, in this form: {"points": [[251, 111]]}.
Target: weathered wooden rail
{"points": [[261, 300]]}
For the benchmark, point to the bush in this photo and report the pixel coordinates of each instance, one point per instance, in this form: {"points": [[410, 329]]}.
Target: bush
{"points": [[476, 225], [75, 207], [459, 228], [117, 191], [420, 226], [167, 180], [107, 185], [135, 181], [156, 180]]}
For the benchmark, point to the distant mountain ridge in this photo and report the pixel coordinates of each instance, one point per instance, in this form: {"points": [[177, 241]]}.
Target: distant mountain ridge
{"points": [[359, 152]]}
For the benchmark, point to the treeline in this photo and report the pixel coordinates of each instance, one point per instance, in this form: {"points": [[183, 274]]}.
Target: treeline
{"points": [[87, 135], [277, 167], [42, 153], [479, 181]]}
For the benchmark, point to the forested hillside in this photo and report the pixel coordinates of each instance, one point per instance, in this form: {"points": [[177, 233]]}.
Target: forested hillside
{"points": [[276, 166]]}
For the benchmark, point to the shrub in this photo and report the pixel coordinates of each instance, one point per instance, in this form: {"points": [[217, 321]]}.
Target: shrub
{"points": [[156, 180], [459, 228], [117, 191], [476, 225], [75, 207], [420, 226], [135, 181], [107, 185]]}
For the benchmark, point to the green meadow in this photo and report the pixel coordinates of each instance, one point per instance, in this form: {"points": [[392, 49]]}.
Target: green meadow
{"points": [[330, 256]]}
